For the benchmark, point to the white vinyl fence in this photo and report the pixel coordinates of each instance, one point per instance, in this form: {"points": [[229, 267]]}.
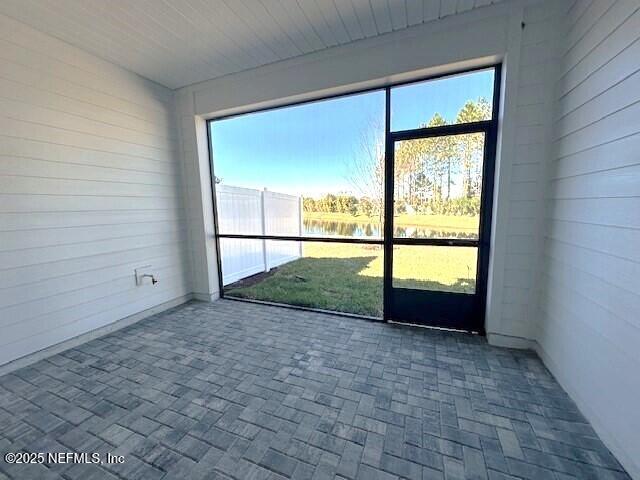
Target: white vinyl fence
{"points": [[256, 212]]}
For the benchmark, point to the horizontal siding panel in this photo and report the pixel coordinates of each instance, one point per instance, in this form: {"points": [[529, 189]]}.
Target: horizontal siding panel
{"points": [[95, 142], [531, 94], [118, 268], [517, 259], [32, 256], [59, 270], [574, 13], [520, 226], [612, 100], [603, 211], [595, 369], [525, 191], [30, 75], [621, 153], [521, 245], [29, 95], [518, 278], [620, 242], [537, 31], [51, 203], [530, 115], [601, 19], [90, 189], [607, 328], [85, 318], [584, 23], [527, 172], [523, 209], [532, 153], [534, 54], [18, 147], [30, 167], [18, 319], [621, 124], [589, 301], [624, 303], [32, 113], [27, 58], [21, 240], [531, 135], [12, 185], [516, 295], [81, 67], [600, 81], [45, 220], [613, 42], [515, 312], [621, 182], [598, 356], [535, 74]]}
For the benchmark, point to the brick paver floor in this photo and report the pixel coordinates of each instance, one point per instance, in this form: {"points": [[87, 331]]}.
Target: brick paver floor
{"points": [[245, 391]]}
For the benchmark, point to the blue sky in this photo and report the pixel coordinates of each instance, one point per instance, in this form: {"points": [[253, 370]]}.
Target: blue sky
{"points": [[310, 149]]}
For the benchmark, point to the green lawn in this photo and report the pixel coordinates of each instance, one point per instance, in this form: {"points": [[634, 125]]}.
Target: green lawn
{"points": [[348, 277]]}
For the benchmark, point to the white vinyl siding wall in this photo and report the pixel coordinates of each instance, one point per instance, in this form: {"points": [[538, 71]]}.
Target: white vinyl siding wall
{"points": [[589, 332], [525, 205], [90, 188]]}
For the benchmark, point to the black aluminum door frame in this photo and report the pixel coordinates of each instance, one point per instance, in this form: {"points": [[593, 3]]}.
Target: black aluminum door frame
{"points": [[445, 309]]}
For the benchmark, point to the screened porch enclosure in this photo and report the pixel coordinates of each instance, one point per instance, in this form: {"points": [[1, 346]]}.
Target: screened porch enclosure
{"points": [[223, 223], [343, 203]]}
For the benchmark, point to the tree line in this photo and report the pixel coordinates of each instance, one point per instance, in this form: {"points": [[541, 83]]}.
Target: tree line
{"points": [[348, 204], [351, 205], [428, 170], [437, 175]]}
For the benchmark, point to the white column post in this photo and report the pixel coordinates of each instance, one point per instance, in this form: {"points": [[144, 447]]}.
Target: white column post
{"points": [[300, 221], [265, 256]]}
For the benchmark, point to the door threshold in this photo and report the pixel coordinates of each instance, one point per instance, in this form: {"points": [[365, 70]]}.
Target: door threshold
{"points": [[432, 327], [304, 309]]}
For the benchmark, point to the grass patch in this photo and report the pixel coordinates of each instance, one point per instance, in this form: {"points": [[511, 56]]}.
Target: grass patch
{"points": [[348, 277]]}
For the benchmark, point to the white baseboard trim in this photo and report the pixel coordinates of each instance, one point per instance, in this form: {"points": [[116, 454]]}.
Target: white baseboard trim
{"points": [[509, 341], [206, 297], [93, 334], [629, 461]]}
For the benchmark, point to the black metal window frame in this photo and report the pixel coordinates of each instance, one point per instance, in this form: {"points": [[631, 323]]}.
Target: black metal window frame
{"points": [[488, 127]]}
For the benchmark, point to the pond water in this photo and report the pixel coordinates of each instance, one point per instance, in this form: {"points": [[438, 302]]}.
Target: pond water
{"points": [[374, 230]]}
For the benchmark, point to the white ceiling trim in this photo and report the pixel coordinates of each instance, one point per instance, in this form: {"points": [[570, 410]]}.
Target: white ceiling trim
{"points": [[182, 42]]}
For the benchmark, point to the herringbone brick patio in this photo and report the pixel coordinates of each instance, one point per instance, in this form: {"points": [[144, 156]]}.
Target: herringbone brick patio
{"points": [[245, 391]]}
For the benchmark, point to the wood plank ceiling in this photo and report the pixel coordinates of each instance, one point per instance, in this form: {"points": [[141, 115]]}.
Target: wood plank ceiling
{"points": [[181, 42]]}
